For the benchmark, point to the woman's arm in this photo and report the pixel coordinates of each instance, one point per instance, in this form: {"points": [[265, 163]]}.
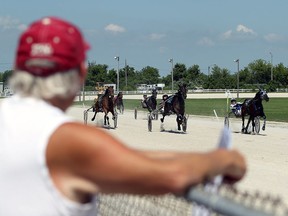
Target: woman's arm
{"points": [[87, 159]]}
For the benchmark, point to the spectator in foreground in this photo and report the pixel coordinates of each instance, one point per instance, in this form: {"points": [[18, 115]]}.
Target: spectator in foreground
{"points": [[52, 165]]}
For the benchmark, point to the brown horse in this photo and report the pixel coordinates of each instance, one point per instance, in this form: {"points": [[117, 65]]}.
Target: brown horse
{"points": [[106, 105], [175, 104]]}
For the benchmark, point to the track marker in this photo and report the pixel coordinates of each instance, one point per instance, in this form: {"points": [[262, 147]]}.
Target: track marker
{"points": [[215, 113]]}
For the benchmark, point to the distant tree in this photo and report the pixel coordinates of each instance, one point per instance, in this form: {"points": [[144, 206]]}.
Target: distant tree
{"points": [[220, 79], [128, 80], [96, 73], [149, 75], [112, 76], [254, 75], [193, 77], [179, 72], [6, 75], [260, 71], [280, 75], [167, 80]]}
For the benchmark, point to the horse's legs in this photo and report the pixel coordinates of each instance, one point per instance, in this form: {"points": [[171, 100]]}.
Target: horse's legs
{"points": [[253, 124], [178, 124], [179, 121], [246, 128], [264, 122], [162, 119], [243, 125], [106, 119], [95, 112], [113, 113]]}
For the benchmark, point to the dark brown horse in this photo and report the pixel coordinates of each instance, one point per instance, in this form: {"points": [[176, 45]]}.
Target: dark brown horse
{"points": [[118, 102], [175, 104], [106, 105], [253, 108], [150, 102]]}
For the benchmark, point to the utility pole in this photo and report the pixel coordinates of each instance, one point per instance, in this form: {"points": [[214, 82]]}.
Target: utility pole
{"points": [[271, 66], [237, 61], [117, 59], [126, 73], [172, 76]]}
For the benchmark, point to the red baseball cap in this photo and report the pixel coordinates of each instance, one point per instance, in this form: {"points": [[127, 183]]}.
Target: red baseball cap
{"points": [[50, 45]]}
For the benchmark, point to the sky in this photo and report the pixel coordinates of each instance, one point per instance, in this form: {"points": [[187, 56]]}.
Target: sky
{"points": [[149, 33]]}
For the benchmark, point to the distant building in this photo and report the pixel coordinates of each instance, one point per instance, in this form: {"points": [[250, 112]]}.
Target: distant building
{"points": [[149, 87]]}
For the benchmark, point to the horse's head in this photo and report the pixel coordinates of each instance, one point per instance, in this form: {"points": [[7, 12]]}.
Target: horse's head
{"points": [[183, 90], [120, 95], [154, 93], [109, 91], [262, 95]]}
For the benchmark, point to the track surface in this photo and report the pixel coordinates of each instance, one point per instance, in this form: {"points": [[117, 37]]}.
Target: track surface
{"points": [[266, 153]]}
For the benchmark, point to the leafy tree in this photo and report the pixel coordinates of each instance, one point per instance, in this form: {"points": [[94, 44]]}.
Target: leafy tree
{"points": [[280, 75], [149, 75], [128, 78], [179, 72], [6, 75], [256, 74], [96, 73], [167, 81], [260, 71], [245, 78], [112, 76], [194, 78]]}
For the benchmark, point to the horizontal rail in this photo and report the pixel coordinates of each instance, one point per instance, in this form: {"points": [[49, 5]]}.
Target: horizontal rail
{"points": [[223, 205]]}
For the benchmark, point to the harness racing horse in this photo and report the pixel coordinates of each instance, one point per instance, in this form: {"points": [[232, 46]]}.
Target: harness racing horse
{"points": [[107, 105], [175, 104], [118, 102], [254, 108], [150, 102]]}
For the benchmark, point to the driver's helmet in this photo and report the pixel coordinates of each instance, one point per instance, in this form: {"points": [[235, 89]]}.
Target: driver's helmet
{"points": [[233, 100], [164, 97]]}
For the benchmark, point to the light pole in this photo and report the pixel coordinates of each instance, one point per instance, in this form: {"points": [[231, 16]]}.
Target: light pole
{"points": [[237, 60], [271, 65], [126, 74], [172, 76], [117, 59]]}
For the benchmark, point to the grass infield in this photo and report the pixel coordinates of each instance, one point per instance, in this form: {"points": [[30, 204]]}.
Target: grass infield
{"points": [[276, 109]]}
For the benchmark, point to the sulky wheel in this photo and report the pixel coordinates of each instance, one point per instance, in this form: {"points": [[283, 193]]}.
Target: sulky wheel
{"points": [[184, 124], [115, 121], [156, 115], [149, 123], [85, 116], [226, 121], [121, 109], [257, 124]]}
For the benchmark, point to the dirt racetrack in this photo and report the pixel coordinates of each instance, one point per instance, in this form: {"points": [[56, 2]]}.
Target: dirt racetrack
{"points": [[266, 153]]}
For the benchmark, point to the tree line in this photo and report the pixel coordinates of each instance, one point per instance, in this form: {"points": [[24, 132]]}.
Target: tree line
{"points": [[258, 73]]}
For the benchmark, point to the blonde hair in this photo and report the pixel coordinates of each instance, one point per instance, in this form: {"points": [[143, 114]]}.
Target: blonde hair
{"points": [[62, 85]]}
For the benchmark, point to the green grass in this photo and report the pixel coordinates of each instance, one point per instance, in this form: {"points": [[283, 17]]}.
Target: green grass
{"points": [[276, 109]]}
